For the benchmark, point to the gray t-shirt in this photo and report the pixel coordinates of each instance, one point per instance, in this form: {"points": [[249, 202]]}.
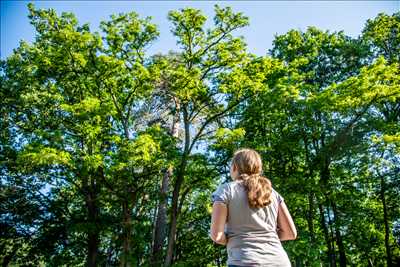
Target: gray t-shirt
{"points": [[251, 232]]}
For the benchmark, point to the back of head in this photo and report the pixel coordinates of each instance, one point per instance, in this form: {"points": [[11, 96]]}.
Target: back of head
{"points": [[249, 166]]}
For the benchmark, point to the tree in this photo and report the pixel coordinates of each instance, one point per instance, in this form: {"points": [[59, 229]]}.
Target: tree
{"points": [[101, 143], [312, 117], [204, 54], [74, 100]]}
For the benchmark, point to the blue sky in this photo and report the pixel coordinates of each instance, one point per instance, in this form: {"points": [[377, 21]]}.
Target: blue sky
{"points": [[267, 18]]}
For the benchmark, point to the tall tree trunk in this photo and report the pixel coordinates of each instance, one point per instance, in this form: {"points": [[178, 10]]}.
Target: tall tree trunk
{"points": [[126, 259], [160, 229], [339, 240], [90, 190], [310, 217], [161, 220], [175, 194], [332, 238], [127, 206], [331, 253], [93, 233], [385, 221], [325, 175], [174, 217], [311, 208]]}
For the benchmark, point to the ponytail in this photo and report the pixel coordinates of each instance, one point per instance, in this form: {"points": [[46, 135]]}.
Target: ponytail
{"points": [[258, 188]]}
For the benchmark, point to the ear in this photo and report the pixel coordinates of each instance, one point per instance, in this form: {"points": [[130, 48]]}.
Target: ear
{"points": [[234, 167]]}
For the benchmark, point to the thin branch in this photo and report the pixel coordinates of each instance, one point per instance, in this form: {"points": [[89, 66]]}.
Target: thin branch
{"points": [[212, 118]]}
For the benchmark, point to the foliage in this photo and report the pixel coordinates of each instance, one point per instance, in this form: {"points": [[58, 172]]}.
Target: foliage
{"points": [[90, 124]]}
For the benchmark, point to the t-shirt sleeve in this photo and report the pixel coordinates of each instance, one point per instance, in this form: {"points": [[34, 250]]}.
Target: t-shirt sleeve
{"points": [[278, 196], [221, 194]]}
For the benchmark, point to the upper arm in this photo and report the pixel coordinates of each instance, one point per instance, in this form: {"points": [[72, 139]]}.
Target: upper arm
{"points": [[218, 219], [285, 224], [220, 199]]}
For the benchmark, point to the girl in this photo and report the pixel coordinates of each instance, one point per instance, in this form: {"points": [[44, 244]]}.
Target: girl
{"points": [[255, 215]]}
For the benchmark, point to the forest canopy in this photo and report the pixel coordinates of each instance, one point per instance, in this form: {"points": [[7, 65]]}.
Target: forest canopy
{"points": [[109, 155]]}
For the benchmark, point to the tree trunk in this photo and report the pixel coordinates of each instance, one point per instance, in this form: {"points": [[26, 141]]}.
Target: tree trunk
{"points": [[311, 208], [126, 258], [90, 189], [332, 238], [385, 220], [161, 220], [174, 220], [331, 254], [325, 175], [339, 240], [127, 232], [310, 217], [160, 229], [175, 194], [93, 232]]}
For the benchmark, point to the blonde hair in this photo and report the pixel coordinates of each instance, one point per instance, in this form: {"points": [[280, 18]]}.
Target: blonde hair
{"points": [[249, 166]]}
